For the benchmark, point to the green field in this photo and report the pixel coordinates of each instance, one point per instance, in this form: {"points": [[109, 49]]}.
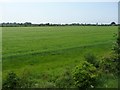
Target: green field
{"points": [[46, 52]]}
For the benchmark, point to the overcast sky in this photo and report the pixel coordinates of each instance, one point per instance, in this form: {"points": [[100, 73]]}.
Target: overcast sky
{"points": [[59, 12]]}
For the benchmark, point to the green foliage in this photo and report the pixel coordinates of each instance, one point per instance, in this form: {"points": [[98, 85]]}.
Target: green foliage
{"points": [[107, 80], [116, 52], [91, 58], [109, 64], [116, 47], [85, 75], [12, 81], [65, 80]]}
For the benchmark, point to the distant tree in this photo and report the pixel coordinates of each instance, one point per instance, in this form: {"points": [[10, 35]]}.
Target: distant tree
{"points": [[47, 24], [27, 24], [113, 23]]}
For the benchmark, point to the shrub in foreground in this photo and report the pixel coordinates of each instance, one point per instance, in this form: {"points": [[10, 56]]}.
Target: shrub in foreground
{"points": [[85, 75], [91, 58], [109, 64], [11, 82]]}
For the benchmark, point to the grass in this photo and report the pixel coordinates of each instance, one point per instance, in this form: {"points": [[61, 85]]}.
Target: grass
{"points": [[50, 50]]}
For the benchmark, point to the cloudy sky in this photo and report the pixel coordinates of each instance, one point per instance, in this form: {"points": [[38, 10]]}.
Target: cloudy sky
{"points": [[59, 12]]}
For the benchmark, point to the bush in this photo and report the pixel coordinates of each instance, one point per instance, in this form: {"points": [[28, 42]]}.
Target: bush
{"points": [[65, 80], [91, 58], [85, 75], [11, 82], [109, 64]]}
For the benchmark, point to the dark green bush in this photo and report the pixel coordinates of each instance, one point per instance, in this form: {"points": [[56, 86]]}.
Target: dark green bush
{"points": [[91, 58], [12, 81], [85, 75]]}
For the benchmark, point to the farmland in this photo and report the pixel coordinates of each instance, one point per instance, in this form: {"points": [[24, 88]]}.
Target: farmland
{"points": [[46, 52]]}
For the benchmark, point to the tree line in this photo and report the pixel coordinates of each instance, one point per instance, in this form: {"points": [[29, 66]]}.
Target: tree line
{"points": [[28, 24]]}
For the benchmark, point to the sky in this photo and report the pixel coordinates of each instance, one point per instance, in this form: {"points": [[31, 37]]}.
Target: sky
{"points": [[59, 12]]}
